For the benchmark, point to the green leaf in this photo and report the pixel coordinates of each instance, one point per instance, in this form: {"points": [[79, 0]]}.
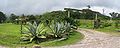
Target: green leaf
{"points": [[42, 36], [31, 39]]}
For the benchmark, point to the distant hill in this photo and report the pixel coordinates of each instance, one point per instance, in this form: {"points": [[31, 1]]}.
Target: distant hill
{"points": [[82, 14]]}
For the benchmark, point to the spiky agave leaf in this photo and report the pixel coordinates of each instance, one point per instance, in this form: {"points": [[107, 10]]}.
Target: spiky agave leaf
{"points": [[40, 29], [58, 29], [34, 31], [67, 27]]}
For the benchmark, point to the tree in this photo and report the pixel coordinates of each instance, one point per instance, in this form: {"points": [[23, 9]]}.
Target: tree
{"points": [[88, 6], [2, 17], [13, 17], [118, 15], [88, 14], [31, 18], [113, 15]]}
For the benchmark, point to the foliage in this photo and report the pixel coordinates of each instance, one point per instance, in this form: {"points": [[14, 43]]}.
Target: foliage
{"points": [[34, 32], [105, 24], [86, 23], [13, 18], [37, 32], [2, 17], [60, 30], [57, 16], [113, 14], [88, 6], [117, 24], [56, 22], [31, 18]]}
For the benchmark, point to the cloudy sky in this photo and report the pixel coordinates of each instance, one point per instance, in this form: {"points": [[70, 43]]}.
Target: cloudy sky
{"points": [[19, 7]]}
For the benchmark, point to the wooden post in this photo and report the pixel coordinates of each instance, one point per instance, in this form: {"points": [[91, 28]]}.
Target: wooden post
{"points": [[21, 26], [96, 17], [96, 21], [68, 13]]}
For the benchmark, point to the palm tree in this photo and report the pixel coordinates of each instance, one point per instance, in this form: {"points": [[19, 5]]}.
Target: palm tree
{"points": [[88, 6], [113, 15]]}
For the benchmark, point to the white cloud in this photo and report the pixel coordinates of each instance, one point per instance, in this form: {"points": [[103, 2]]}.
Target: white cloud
{"points": [[106, 10], [40, 6]]}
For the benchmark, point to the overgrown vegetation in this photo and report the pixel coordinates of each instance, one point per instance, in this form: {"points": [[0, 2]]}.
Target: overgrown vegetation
{"points": [[38, 32], [2, 17], [11, 37]]}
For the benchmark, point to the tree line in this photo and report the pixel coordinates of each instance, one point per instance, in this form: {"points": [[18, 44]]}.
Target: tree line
{"points": [[83, 14]]}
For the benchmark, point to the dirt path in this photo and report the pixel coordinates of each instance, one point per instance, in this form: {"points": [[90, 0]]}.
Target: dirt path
{"points": [[94, 39], [2, 47]]}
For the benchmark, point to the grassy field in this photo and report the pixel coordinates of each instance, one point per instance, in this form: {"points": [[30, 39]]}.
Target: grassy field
{"points": [[10, 35], [110, 30], [86, 24]]}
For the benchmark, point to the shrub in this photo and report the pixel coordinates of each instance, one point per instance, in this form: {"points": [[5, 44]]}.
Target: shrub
{"points": [[117, 24], [105, 24]]}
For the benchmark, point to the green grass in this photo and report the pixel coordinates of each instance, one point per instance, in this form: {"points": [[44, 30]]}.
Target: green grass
{"points": [[86, 24], [10, 35], [75, 37], [110, 30]]}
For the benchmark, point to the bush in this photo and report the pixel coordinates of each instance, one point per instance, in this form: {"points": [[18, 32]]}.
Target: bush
{"points": [[117, 24], [105, 24]]}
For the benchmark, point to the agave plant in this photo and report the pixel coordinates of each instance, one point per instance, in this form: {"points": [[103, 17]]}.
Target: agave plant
{"points": [[60, 30], [67, 27], [73, 22], [57, 29], [34, 32]]}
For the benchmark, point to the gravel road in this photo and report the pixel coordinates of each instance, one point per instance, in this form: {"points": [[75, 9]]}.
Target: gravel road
{"points": [[94, 39]]}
